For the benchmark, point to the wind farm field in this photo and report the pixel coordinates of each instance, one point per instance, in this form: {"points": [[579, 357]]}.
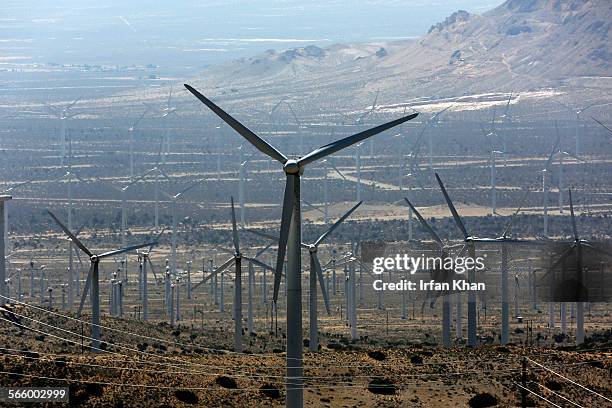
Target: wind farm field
{"points": [[408, 221]]}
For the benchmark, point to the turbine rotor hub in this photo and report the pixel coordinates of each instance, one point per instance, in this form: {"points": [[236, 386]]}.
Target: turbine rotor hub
{"points": [[312, 249], [94, 258], [291, 167]]}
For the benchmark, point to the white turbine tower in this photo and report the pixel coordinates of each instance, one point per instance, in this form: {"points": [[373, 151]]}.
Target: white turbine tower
{"points": [[93, 280], [290, 234], [358, 169]]}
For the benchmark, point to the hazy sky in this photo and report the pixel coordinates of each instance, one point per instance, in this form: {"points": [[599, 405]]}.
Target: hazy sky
{"points": [[195, 33]]}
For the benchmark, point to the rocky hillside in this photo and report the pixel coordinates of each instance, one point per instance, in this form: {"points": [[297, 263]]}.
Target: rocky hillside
{"points": [[521, 45]]}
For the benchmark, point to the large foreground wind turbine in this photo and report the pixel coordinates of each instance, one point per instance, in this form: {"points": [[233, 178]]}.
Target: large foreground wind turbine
{"points": [[290, 233], [93, 280]]}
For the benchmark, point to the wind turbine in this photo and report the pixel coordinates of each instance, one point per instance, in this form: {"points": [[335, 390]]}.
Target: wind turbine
{"points": [[236, 259], [575, 289], [165, 112], [131, 130], [433, 120], [440, 276], [493, 155], [578, 112], [361, 120], [63, 115], [290, 233], [316, 273], [144, 282], [545, 181], [93, 281], [470, 242], [173, 241]]}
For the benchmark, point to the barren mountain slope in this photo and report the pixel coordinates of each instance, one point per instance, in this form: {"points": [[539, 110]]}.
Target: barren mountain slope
{"points": [[520, 45]]}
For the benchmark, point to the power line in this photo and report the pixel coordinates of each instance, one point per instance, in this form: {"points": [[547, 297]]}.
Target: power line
{"points": [[558, 395], [571, 381], [537, 395]]}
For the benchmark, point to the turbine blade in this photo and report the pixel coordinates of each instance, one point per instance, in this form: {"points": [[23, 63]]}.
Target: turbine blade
{"points": [[255, 140], [435, 117], [452, 208], [601, 123], [336, 224], [513, 218], [154, 243], [261, 234], [321, 280], [189, 187], [261, 251], [575, 230], [424, 223], [351, 140], [284, 232], [74, 239], [122, 250], [564, 255], [139, 119], [554, 149], [70, 105], [152, 270], [235, 239], [260, 263], [313, 206], [599, 250], [137, 179], [335, 168], [220, 269], [85, 290], [78, 255]]}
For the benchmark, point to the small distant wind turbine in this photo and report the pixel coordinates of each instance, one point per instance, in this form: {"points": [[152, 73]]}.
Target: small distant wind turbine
{"points": [[93, 279], [63, 115]]}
